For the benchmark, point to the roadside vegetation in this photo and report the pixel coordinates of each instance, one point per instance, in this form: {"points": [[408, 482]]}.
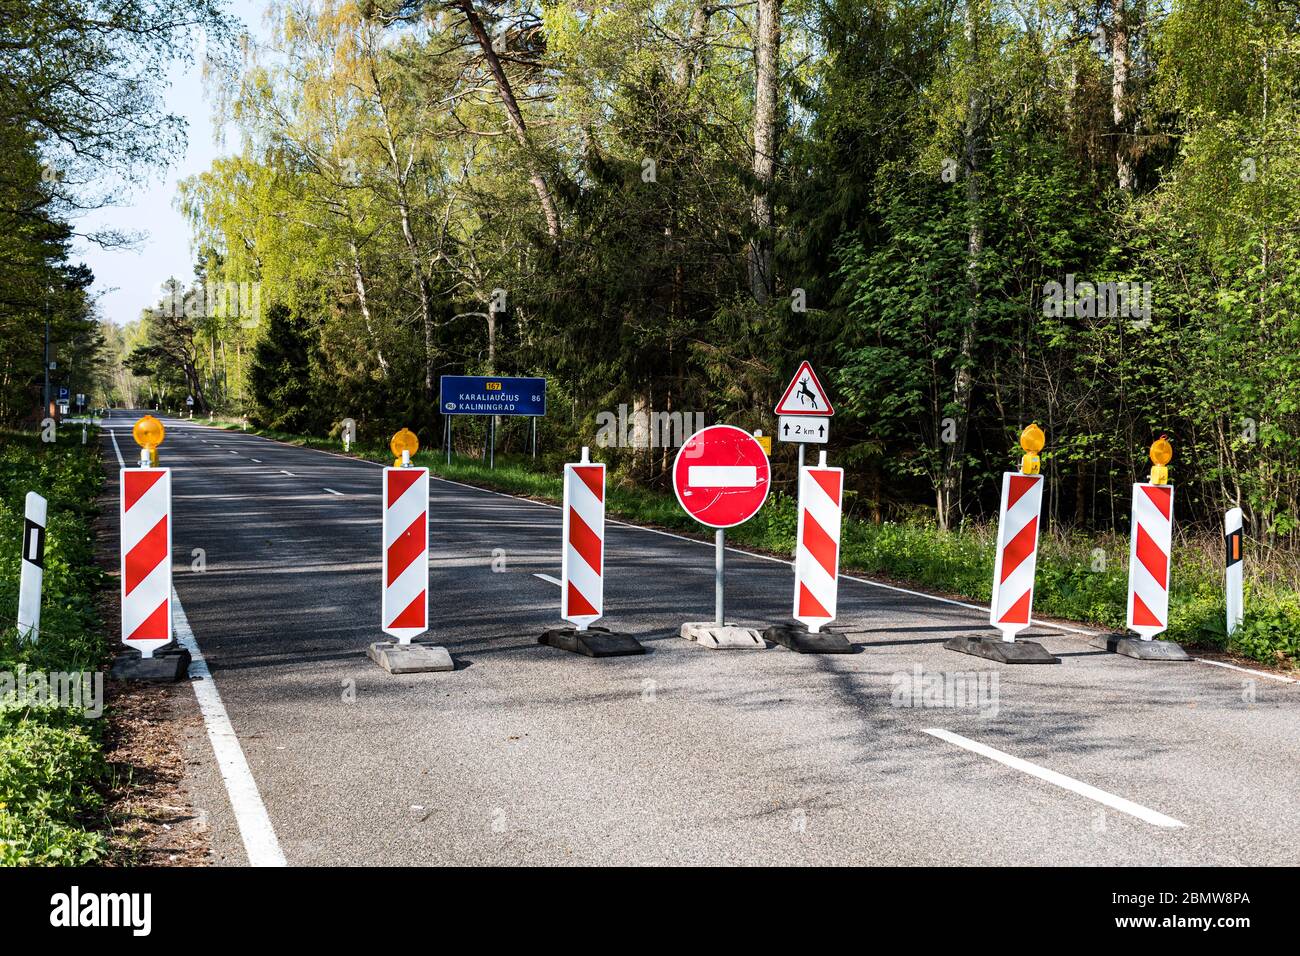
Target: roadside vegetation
{"points": [[52, 769], [1081, 577]]}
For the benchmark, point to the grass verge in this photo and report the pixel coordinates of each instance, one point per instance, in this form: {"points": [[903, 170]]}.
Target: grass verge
{"points": [[52, 769]]}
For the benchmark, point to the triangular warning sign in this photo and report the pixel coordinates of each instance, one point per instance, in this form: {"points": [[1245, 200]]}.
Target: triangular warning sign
{"points": [[805, 395]]}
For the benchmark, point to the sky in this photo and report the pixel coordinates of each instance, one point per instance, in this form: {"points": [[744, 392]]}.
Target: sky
{"points": [[128, 280]]}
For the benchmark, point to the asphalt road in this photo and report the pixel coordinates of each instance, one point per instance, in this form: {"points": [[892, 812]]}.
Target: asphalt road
{"points": [[529, 755]]}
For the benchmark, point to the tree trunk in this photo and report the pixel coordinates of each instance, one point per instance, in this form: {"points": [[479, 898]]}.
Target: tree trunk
{"points": [[1119, 96], [767, 55], [948, 498], [359, 283], [515, 117]]}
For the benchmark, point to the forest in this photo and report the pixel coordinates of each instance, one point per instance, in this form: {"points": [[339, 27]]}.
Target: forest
{"points": [[969, 216]]}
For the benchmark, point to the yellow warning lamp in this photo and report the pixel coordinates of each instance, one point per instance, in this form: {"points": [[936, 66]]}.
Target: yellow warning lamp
{"points": [[404, 441], [1032, 441], [1162, 453], [149, 433]]}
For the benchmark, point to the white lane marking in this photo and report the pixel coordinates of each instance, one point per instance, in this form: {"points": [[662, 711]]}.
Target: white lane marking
{"points": [[260, 842], [258, 460], [333, 492], [721, 476], [1247, 670], [112, 433], [234, 453], [289, 473], [546, 577], [1059, 779]]}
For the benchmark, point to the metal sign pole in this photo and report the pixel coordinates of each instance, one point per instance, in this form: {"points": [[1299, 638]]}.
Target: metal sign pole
{"points": [[720, 543], [534, 438], [492, 441]]}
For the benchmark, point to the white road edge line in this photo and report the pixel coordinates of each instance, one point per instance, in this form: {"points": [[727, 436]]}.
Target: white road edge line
{"points": [[255, 827], [333, 492], [1058, 779], [1247, 670], [260, 842], [546, 577]]}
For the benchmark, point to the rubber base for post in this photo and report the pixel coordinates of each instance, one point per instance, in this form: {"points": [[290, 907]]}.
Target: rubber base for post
{"points": [[796, 637], [1004, 652], [720, 637], [170, 664], [1139, 649], [418, 657], [593, 642]]}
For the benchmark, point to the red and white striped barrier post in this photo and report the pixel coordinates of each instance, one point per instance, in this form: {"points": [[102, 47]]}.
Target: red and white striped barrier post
{"points": [[146, 506], [1151, 538], [145, 526], [404, 597], [816, 564], [582, 582], [582, 567], [1017, 555], [1015, 563], [1148, 565]]}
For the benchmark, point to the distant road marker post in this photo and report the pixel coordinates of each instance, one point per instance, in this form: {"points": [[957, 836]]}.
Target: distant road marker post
{"points": [[1015, 565], [1151, 535], [145, 507], [582, 568], [721, 477], [404, 601]]}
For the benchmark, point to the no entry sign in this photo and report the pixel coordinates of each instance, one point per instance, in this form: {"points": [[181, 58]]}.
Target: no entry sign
{"points": [[721, 476]]}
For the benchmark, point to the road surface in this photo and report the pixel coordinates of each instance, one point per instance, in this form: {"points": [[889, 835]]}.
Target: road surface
{"points": [[529, 755]]}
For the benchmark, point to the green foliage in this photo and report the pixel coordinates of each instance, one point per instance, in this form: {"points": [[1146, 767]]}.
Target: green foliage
{"points": [[51, 762]]}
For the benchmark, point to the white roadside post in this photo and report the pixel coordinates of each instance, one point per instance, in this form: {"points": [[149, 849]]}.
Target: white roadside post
{"points": [[816, 564], [582, 567], [404, 595], [348, 431], [1233, 545], [33, 569], [1015, 564]]}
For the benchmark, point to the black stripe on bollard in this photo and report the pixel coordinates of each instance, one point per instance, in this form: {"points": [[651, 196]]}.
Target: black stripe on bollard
{"points": [[33, 543]]}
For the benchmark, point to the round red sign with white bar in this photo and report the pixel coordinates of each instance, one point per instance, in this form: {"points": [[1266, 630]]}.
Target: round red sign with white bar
{"points": [[721, 476]]}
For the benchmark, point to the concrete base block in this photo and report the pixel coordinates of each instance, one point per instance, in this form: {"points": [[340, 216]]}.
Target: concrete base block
{"points": [[723, 636], [169, 665], [798, 638], [1004, 652], [414, 658], [1141, 650], [593, 642]]}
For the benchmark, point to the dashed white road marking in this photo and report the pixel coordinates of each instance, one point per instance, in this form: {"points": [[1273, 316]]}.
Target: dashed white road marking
{"points": [[1058, 779], [546, 577], [289, 473], [333, 492], [258, 460]]}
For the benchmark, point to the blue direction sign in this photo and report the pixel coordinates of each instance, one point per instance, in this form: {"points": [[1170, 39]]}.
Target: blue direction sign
{"points": [[487, 395]]}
